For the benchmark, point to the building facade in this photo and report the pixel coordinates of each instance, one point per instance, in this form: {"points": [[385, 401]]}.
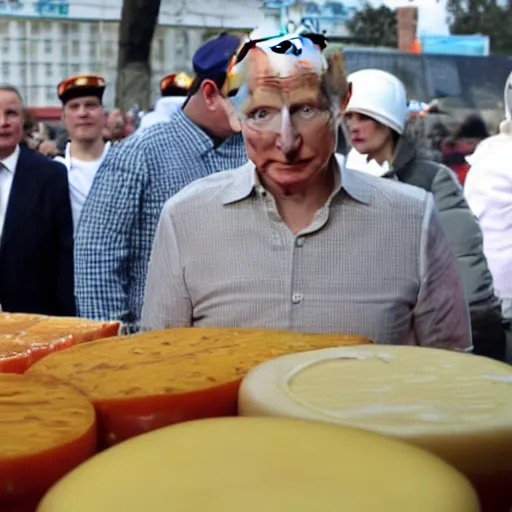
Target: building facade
{"points": [[43, 42]]}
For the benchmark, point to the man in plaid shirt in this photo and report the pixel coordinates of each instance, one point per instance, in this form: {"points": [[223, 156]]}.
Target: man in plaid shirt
{"points": [[116, 230]]}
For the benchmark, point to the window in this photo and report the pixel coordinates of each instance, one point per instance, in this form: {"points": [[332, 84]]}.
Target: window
{"points": [[64, 30], [74, 29], [34, 48], [35, 28], [75, 48], [6, 71], [63, 73], [50, 94], [22, 28], [92, 49], [48, 70], [48, 46], [22, 69], [5, 45], [23, 47], [75, 69], [65, 50]]}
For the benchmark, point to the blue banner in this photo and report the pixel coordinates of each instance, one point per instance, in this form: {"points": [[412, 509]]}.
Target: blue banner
{"points": [[471, 45]]}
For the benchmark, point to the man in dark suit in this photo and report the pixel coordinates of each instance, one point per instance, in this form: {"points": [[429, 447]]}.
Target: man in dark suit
{"points": [[36, 230]]}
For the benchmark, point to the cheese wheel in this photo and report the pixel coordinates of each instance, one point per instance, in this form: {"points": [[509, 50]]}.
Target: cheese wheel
{"points": [[261, 464], [456, 405], [153, 379], [17, 322], [46, 429], [24, 339]]}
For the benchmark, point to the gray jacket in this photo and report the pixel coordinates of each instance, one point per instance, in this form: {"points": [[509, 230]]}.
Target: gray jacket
{"points": [[466, 238]]}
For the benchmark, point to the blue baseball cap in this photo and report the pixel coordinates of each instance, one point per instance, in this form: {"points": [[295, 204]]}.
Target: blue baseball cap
{"points": [[213, 57]]}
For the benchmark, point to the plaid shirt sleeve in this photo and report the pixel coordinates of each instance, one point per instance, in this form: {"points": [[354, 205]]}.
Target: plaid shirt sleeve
{"points": [[103, 240]]}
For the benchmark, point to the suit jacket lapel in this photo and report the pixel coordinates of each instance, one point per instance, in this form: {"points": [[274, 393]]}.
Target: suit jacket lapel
{"points": [[23, 196]]}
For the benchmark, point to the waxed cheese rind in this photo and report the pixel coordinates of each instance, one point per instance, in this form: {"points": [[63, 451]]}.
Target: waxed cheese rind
{"points": [[456, 405], [261, 464]]}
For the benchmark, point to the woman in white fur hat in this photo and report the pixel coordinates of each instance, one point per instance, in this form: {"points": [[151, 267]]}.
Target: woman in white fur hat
{"points": [[375, 119]]}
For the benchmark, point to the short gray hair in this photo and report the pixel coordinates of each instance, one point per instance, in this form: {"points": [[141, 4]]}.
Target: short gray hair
{"points": [[11, 88]]}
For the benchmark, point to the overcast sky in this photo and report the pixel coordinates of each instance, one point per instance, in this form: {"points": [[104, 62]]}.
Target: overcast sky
{"points": [[432, 14]]}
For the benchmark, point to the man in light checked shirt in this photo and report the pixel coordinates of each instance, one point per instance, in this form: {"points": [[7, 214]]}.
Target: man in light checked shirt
{"points": [[293, 240], [118, 222]]}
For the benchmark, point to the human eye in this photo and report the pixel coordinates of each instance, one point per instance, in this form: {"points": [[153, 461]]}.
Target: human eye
{"points": [[259, 114], [304, 111]]}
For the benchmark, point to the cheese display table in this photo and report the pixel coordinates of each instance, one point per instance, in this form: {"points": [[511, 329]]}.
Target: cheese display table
{"points": [[24, 338], [457, 406], [146, 381], [46, 429], [261, 464]]}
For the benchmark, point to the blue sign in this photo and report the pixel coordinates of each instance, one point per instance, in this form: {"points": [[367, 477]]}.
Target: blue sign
{"points": [[471, 45], [39, 8], [51, 8], [278, 4], [10, 6]]}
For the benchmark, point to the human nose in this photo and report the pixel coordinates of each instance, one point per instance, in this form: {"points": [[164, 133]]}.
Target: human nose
{"points": [[3, 118], [289, 139]]}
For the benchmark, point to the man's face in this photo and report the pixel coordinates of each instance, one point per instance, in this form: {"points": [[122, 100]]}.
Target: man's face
{"points": [[288, 124], [11, 122], [84, 118]]}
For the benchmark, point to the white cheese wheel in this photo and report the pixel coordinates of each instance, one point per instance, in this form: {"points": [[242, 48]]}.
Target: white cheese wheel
{"points": [[261, 464], [456, 405]]}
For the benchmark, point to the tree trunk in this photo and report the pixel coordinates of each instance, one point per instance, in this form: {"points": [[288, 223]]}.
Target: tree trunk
{"points": [[138, 22]]}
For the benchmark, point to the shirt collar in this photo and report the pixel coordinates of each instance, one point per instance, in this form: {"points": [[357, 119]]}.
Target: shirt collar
{"points": [[11, 161], [246, 181], [198, 140]]}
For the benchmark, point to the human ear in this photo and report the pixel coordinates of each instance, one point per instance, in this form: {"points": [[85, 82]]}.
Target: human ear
{"points": [[335, 81]]}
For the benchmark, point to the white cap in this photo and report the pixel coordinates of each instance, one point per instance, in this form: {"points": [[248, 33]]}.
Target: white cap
{"points": [[379, 95]]}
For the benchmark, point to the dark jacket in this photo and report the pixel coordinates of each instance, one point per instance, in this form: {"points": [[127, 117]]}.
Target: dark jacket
{"points": [[466, 239], [36, 250]]}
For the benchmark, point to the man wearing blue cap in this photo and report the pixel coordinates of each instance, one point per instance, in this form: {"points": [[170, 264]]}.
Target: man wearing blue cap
{"points": [[116, 230]]}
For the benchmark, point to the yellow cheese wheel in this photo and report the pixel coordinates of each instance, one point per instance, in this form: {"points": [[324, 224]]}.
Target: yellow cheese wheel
{"points": [[46, 429], [458, 406], [154, 379], [261, 464]]}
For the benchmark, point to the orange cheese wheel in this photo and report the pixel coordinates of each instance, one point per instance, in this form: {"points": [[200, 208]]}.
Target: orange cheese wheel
{"points": [[260, 465], [24, 339], [150, 380], [46, 429], [457, 406]]}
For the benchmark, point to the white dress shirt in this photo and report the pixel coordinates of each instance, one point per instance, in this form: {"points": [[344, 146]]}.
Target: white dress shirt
{"points": [[81, 174], [7, 169]]}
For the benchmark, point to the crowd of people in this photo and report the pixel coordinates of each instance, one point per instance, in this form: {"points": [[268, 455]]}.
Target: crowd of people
{"points": [[232, 204]]}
